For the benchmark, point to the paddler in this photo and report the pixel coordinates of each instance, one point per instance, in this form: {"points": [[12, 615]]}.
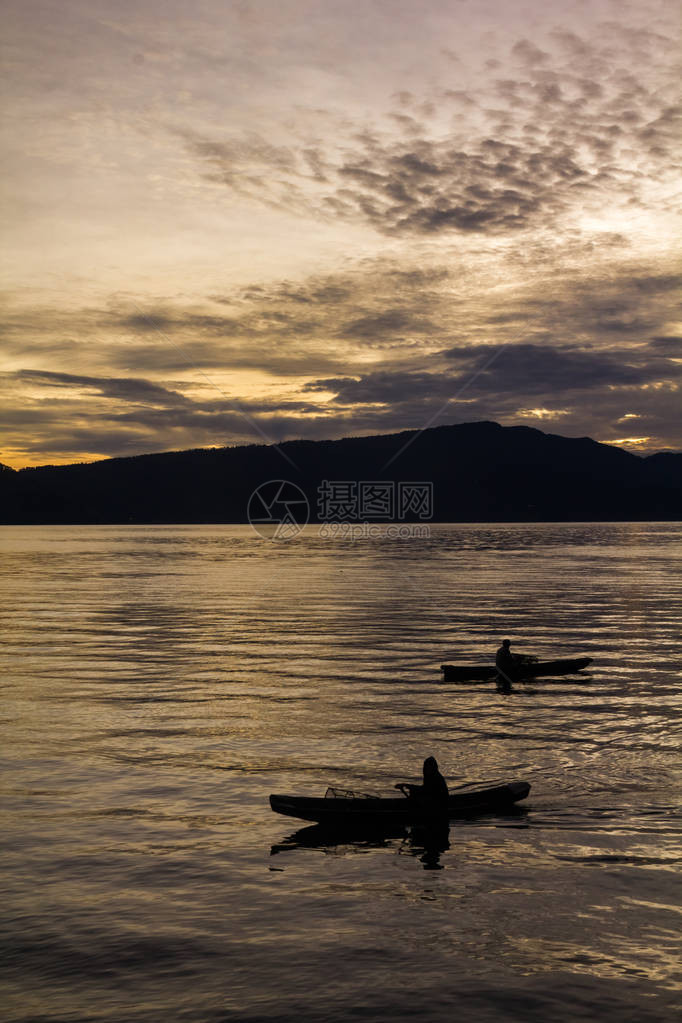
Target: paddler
{"points": [[433, 792], [504, 658]]}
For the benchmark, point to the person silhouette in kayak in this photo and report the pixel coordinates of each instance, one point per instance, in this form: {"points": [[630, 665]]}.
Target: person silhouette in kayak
{"points": [[433, 791], [504, 658]]}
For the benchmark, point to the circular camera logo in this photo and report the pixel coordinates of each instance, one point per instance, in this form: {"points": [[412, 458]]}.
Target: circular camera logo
{"points": [[278, 510]]}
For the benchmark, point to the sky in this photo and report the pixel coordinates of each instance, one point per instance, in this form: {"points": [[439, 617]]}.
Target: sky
{"points": [[230, 222]]}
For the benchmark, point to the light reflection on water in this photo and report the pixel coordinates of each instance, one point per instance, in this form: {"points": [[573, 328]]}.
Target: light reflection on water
{"points": [[159, 682]]}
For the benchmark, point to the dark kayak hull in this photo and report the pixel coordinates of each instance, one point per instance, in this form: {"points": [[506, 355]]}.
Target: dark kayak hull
{"points": [[473, 673], [375, 811]]}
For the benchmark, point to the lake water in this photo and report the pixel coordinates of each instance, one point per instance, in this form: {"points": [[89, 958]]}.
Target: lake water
{"points": [[159, 682]]}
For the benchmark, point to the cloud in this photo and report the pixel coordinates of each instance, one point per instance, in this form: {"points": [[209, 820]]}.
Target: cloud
{"points": [[528, 370], [172, 191], [382, 345], [127, 389], [575, 127], [671, 345], [528, 53], [386, 323], [523, 371], [385, 387]]}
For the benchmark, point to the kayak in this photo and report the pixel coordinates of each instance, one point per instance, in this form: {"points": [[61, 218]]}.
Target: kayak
{"points": [[474, 673], [354, 808]]}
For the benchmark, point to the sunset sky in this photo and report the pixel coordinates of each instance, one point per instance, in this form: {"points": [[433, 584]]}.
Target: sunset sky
{"points": [[230, 221]]}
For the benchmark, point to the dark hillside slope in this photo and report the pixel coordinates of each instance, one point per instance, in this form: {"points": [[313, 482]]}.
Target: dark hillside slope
{"points": [[480, 472]]}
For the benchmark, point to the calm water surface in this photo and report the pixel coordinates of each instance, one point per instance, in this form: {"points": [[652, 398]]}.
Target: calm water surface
{"points": [[159, 682]]}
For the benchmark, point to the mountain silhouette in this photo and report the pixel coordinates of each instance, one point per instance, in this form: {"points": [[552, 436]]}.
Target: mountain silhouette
{"points": [[480, 472]]}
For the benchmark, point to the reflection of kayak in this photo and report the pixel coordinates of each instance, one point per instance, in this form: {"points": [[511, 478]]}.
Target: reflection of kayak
{"points": [[350, 808], [533, 669]]}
